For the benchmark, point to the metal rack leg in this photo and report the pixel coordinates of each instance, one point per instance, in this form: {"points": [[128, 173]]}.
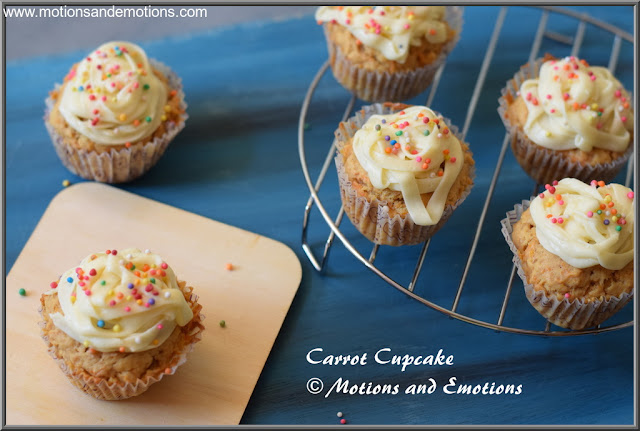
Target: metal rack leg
{"points": [[318, 265], [374, 253], [329, 242], [416, 272], [507, 294]]}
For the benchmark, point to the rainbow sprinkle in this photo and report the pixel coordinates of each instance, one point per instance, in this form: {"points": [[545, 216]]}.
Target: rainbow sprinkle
{"points": [[136, 299], [606, 211]]}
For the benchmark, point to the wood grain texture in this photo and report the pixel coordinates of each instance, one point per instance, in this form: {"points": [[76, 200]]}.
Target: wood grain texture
{"points": [[215, 384]]}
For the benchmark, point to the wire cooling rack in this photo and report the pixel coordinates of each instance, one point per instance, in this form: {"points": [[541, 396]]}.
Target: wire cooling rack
{"points": [[333, 223]]}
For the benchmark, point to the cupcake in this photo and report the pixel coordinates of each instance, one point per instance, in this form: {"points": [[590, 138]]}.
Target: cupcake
{"points": [[115, 113], [573, 248], [385, 53], [118, 322], [567, 119], [402, 171]]}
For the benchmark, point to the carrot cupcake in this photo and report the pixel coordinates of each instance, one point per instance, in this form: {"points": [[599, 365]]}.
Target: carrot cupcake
{"points": [[115, 114], [118, 322], [568, 119], [573, 247], [402, 172], [388, 52]]}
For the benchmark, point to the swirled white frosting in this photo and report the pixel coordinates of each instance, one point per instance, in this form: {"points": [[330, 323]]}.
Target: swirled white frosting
{"points": [[586, 225], [389, 29], [573, 105], [129, 301], [414, 152], [112, 96]]}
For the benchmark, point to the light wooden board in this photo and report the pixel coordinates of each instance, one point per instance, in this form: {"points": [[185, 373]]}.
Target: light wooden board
{"points": [[214, 385]]}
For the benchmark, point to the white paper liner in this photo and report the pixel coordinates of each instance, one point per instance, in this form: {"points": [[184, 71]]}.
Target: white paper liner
{"points": [[124, 164], [373, 86], [101, 389], [371, 217], [573, 314], [542, 164]]}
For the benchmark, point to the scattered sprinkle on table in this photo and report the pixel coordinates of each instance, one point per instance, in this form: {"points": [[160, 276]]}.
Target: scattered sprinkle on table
{"points": [[229, 266], [307, 126], [223, 323], [66, 183], [22, 292], [343, 421], [339, 414]]}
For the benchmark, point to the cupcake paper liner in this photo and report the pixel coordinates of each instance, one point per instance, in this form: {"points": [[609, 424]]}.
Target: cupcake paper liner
{"points": [[375, 86], [540, 163], [103, 390], [371, 216], [573, 314], [119, 165]]}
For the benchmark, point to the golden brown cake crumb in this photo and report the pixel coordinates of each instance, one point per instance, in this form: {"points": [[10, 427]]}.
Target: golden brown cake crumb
{"points": [[372, 59], [381, 213], [78, 141], [553, 276], [517, 116], [361, 183], [116, 367]]}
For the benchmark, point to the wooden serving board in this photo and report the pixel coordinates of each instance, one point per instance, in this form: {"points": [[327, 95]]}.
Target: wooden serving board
{"points": [[214, 385]]}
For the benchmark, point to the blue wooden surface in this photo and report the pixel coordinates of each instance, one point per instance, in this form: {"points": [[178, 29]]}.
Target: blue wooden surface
{"points": [[237, 162]]}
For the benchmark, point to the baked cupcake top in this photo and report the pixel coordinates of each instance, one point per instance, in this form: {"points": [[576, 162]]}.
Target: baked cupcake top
{"points": [[389, 29], [574, 105], [113, 96], [125, 301], [586, 225], [414, 152]]}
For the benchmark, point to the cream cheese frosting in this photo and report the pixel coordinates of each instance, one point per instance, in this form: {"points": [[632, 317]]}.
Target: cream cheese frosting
{"points": [[586, 225], [126, 301], [414, 152], [112, 96], [390, 30], [574, 105]]}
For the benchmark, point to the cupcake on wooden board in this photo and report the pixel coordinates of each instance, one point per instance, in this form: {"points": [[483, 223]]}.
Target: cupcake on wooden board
{"points": [[119, 322], [115, 113], [402, 172], [568, 119], [383, 53], [573, 247]]}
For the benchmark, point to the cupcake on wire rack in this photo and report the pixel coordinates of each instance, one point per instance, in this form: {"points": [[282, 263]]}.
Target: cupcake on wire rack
{"points": [[402, 172], [119, 322], [568, 119], [115, 113], [573, 248], [388, 53]]}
